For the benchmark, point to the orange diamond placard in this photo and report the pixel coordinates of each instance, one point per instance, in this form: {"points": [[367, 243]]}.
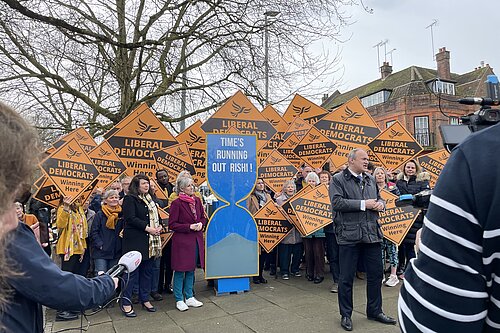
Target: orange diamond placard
{"points": [[131, 116], [175, 159], [109, 164], [275, 170], [196, 139], [301, 107], [299, 127], [70, 169], [289, 212], [286, 149], [47, 192], [349, 126], [395, 221], [315, 149], [280, 125], [83, 138], [272, 224], [240, 113], [313, 209], [136, 141], [434, 163], [395, 146]]}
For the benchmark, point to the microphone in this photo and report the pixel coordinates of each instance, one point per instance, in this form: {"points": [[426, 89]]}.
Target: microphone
{"points": [[478, 101], [419, 200], [127, 263]]}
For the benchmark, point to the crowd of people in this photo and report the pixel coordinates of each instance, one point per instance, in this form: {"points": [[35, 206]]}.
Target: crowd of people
{"points": [[123, 217]]}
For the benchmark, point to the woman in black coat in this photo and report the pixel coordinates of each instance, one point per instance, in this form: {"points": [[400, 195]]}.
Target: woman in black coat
{"points": [[411, 181], [141, 233]]}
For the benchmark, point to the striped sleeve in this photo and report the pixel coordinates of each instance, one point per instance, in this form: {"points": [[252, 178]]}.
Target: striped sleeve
{"points": [[447, 289]]}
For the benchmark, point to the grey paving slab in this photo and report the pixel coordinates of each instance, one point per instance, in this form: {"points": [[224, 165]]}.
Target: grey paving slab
{"points": [[145, 323], [216, 325], [207, 311], [233, 304]]}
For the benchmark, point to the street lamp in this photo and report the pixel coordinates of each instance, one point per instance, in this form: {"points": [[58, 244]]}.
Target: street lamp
{"points": [[269, 13]]}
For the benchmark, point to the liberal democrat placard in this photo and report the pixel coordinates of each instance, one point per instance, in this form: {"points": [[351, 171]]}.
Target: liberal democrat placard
{"points": [[240, 113], [349, 126], [175, 159], [83, 138], [280, 125], [47, 192], [434, 163], [272, 224], [70, 169], [301, 107], [110, 166], [288, 211], [315, 149], [136, 141], [275, 170], [395, 146], [395, 221], [131, 116], [313, 209], [286, 149], [195, 138], [299, 127]]}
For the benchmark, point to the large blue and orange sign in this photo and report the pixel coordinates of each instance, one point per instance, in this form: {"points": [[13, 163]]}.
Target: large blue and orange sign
{"points": [[232, 238]]}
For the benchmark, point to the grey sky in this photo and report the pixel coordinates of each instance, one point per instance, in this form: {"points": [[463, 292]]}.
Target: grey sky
{"points": [[468, 29]]}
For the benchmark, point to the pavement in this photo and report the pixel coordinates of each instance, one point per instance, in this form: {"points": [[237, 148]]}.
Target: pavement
{"points": [[295, 305]]}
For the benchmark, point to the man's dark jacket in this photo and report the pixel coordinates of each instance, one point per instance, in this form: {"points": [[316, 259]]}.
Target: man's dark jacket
{"points": [[352, 225], [43, 283]]}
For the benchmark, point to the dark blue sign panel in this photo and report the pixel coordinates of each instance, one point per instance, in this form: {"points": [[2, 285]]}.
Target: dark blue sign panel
{"points": [[232, 236]]}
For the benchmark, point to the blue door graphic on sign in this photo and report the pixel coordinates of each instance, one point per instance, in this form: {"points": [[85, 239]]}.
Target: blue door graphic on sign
{"points": [[232, 236]]}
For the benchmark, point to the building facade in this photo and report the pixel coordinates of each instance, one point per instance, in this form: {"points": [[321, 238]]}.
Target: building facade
{"points": [[421, 99]]}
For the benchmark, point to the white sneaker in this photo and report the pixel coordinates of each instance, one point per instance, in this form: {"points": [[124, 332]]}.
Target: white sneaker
{"points": [[181, 306], [193, 302], [392, 281]]}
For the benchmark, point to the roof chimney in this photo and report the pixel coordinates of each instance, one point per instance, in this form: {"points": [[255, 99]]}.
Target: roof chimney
{"points": [[443, 64], [325, 97], [385, 70]]}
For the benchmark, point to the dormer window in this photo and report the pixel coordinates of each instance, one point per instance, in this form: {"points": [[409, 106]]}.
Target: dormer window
{"points": [[376, 98], [442, 87]]}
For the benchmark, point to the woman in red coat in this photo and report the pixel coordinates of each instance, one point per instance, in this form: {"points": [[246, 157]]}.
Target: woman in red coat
{"points": [[187, 219]]}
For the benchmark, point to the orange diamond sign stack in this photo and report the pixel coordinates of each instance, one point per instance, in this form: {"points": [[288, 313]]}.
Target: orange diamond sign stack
{"points": [[70, 169], [349, 126], [110, 166], [395, 146]]}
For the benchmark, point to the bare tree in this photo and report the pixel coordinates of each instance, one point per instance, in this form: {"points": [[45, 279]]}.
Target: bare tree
{"points": [[91, 62]]}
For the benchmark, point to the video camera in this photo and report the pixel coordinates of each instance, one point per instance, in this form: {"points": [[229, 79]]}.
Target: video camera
{"points": [[420, 200], [484, 117]]}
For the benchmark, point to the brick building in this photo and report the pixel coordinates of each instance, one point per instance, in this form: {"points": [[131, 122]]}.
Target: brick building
{"points": [[411, 96]]}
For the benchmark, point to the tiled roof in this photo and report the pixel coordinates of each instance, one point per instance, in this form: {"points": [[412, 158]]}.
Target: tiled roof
{"points": [[411, 82]]}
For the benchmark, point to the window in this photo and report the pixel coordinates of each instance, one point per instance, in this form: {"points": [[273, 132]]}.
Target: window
{"points": [[389, 123], [422, 130], [447, 88], [376, 98], [454, 121]]}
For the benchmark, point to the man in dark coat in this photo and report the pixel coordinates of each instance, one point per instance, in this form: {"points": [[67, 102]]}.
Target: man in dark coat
{"points": [[356, 202]]}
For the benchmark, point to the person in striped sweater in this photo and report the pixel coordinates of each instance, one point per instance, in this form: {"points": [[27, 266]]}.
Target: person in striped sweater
{"points": [[454, 284]]}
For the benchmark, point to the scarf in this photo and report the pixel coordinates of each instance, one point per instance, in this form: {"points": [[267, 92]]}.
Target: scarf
{"points": [[112, 214], [191, 201], [154, 222], [261, 196]]}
